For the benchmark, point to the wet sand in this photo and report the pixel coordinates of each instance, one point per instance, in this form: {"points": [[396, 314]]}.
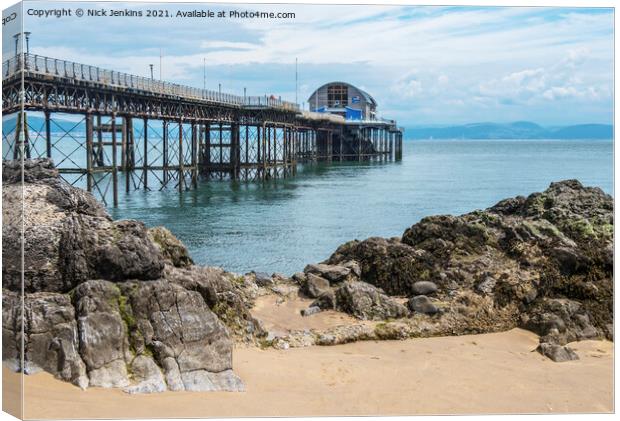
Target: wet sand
{"points": [[491, 373]]}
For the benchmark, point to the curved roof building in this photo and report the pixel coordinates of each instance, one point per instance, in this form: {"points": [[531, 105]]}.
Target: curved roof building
{"points": [[343, 99]]}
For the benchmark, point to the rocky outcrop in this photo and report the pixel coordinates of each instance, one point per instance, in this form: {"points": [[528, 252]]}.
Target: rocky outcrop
{"points": [[112, 303], [366, 302], [339, 287], [542, 262]]}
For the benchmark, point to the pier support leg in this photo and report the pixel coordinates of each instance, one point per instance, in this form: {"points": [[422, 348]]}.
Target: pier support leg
{"points": [[330, 146], [221, 140], [114, 166], [359, 145], [247, 150], [207, 158], [165, 161], [48, 135], [123, 144], [89, 152], [145, 157], [194, 156], [181, 158], [235, 150], [100, 162], [129, 153]]}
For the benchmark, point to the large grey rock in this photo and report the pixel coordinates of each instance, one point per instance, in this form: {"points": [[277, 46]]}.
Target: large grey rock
{"points": [[147, 375], [310, 311], [103, 334], [51, 335], [367, 302], [314, 285], [518, 258], [333, 273], [562, 320], [177, 323], [422, 304], [68, 237], [109, 303], [263, 279], [424, 288], [326, 300], [205, 381], [557, 353], [170, 247]]}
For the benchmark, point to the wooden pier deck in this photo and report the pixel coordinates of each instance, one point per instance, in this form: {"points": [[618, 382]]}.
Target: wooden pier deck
{"points": [[165, 135]]}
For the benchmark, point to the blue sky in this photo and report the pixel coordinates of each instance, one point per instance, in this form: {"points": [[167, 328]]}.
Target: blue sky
{"points": [[423, 65]]}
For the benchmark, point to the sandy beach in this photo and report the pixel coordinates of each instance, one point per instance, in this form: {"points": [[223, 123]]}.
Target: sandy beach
{"points": [[491, 373]]}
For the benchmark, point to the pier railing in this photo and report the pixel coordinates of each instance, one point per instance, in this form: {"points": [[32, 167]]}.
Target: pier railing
{"points": [[84, 72]]}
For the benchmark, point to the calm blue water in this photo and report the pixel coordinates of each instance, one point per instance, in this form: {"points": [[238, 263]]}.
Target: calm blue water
{"points": [[283, 225]]}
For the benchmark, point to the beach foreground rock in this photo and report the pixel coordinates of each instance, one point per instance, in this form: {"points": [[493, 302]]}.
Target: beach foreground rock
{"points": [[542, 262], [111, 303]]}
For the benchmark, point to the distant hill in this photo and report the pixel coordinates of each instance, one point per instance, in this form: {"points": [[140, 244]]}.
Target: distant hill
{"points": [[517, 130]]}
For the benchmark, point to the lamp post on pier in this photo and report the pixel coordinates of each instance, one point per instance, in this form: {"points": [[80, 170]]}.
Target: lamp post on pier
{"points": [[27, 36], [16, 36]]}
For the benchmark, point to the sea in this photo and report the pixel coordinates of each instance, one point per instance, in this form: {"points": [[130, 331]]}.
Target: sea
{"points": [[282, 225]]}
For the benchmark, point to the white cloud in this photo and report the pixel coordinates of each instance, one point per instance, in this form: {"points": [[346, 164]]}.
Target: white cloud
{"points": [[227, 45], [476, 60]]}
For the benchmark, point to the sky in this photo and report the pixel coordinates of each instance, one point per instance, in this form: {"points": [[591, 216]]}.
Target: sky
{"points": [[423, 65]]}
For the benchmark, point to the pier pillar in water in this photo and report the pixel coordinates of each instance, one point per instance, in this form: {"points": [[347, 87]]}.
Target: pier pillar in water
{"points": [[145, 153], [114, 163], [181, 169], [235, 151], [48, 134], [89, 152], [165, 156]]}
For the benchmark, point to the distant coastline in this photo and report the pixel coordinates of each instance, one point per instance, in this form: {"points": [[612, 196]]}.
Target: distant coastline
{"points": [[516, 130]]}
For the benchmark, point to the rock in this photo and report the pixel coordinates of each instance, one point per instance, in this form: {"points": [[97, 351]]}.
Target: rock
{"points": [[280, 343], [69, 239], [110, 303], [51, 335], [333, 273], [314, 285], [34, 170], [310, 311], [354, 266], [98, 310], [519, 257], [147, 375], [366, 302], [486, 286], [563, 319], [424, 288], [325, 301], [170, 247], [422, 304], [557, 353], [263, 279], [172, 374], [177, 323], [205, 381], [387, 264], [299, 278], [112, 374]]}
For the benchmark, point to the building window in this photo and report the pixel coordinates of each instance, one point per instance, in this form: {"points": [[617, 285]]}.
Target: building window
{"points": [[337, 96]]}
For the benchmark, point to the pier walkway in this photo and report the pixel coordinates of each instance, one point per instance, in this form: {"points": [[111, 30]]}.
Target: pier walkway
{"points": [[95, 123]]}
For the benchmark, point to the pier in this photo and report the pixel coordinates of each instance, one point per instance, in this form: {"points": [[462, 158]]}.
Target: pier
{"points": [[95, 123]]}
